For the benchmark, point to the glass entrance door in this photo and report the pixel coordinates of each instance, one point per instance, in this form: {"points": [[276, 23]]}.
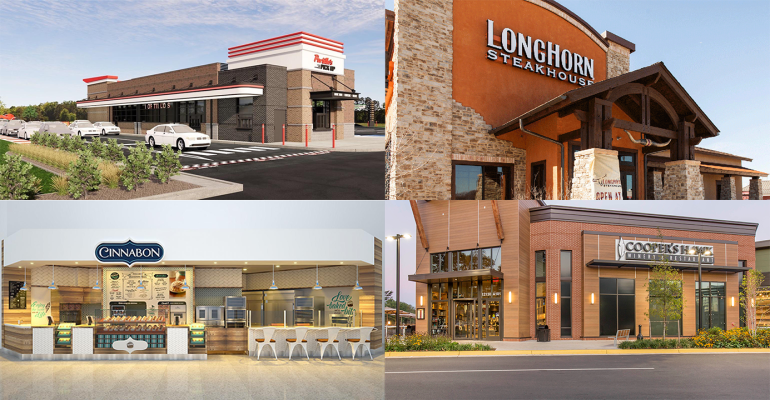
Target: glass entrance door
{"points": [[713, 311], [465, 319], [627, 161], [321, 115]]}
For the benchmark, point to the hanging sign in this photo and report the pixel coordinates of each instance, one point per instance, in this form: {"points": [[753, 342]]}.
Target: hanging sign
{"points": [[657, 251], [129, 253]]}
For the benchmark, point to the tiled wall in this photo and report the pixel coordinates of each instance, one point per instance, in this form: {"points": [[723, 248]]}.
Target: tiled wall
{"points": [[214, 296]]}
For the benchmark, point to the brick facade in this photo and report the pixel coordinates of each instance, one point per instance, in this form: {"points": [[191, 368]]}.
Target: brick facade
{"points": [[274, 80]]}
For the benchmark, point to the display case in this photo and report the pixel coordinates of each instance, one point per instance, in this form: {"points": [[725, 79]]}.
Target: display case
{"points": [[147, 328], [197, 335], [63, 336]]}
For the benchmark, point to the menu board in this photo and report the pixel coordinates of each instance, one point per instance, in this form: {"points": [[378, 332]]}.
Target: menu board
{"points": [[17, 297], [157, 286]]}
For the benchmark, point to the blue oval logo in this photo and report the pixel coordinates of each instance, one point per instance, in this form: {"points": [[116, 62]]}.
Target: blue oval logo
{"points": [[129, 253]]}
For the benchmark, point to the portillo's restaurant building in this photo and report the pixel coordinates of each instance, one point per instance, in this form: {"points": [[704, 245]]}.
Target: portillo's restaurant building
{"points": [[500, 270], [293, 85], [524, 99]]}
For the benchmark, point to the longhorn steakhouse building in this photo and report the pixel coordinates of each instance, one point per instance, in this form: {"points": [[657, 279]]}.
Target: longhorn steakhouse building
{"points": [[486, 69], [298, 81], [499, 270]]}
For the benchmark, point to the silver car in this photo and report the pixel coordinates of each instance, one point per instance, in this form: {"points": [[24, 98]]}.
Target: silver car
{"points": [[28, 129], [55, 127], [106, 128], [12, 127], [3, 123]]}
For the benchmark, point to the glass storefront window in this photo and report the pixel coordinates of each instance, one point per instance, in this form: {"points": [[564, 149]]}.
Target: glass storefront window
{"points": [[617, 309], [465, 290], [540, 264], [434, 291], [713, 310], [439, 314], [481, 182], [540, 303], [438, 263]]}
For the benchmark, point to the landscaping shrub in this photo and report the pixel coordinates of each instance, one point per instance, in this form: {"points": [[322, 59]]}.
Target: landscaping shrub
{"points": [[60, 185], [110, 175], [83, 175], [713, 338], [65, 143], [97, 148], [16, 179], [138, 167], [56, 158], [167, 163], [35, 139], [76, 144], [425, 342], [113, 151]]}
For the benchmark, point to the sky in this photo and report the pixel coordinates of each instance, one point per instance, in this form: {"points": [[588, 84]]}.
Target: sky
{"points": [[399, 219], [717, 50], [49, 46]]}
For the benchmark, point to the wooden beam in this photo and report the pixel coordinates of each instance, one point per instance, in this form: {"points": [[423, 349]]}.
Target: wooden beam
{"points": [[649, 150], [657, 76], [418, 222], [583, 135], [498, 222], [569, 136], [652, 130], [581, 115], [607, 125]]}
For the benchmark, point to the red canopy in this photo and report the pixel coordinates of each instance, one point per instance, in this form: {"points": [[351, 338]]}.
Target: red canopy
{"points": [[7, 116]]}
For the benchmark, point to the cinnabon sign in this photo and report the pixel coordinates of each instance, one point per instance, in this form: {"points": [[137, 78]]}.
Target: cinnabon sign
{"points": [[538, 56], [323, 63]]}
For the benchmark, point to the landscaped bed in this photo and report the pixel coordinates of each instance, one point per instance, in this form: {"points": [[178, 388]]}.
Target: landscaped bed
{"points": [[151, 188], [425, 342], [714, 338], [44, 176]]}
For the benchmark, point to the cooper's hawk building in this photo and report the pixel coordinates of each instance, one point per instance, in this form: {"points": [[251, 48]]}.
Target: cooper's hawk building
{"points": [[295, 82], [524, 99], [499, 270]]}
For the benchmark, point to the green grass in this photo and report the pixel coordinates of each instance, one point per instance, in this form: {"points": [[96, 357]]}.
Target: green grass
{"points": [[45, 176]]}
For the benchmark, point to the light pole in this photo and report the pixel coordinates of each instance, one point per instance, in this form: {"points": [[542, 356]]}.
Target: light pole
{"points": [[700, 252], [398, 238]]}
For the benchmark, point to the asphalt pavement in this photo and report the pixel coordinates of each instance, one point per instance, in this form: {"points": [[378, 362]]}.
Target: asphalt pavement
{"points": [[697, 376]]}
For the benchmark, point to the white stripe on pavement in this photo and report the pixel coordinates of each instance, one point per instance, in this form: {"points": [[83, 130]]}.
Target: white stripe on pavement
{"points": [[239, 151], [200, 153], [517, 370], [250, 149], [262, 148], [219, 151]]}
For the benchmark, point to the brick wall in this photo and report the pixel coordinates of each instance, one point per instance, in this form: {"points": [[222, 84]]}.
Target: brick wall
{"points": [[174, 80], [274, 80]]}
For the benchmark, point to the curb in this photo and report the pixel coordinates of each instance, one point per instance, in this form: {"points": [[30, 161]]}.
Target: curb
{"points": [[457, 354], [209, 187]]}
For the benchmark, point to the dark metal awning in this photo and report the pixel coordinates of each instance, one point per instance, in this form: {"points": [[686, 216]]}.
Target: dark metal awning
{"points": [[456, 276], [675, 265], [333, 95]]}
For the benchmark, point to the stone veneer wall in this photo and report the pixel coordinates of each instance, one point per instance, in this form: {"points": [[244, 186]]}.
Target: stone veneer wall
{"points": [[683, 181], [618, 60], [754, 192], [728, 188]]}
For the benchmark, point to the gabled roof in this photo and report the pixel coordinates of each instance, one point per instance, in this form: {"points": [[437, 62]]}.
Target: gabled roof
{"points": [[656, 76]]}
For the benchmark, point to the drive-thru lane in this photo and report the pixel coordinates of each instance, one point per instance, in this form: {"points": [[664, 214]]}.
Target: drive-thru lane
{"points": [[682, 376]]}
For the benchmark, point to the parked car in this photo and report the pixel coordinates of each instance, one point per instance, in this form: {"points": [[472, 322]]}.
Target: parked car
{"points": [[106, 128], [11, 127], [83, 128], [55, 127], [29, 129], [177, 135]]}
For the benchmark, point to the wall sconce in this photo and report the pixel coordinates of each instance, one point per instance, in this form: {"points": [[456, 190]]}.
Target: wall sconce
{"points": [[732, 301], [555, 298], [510, 297], [592, 298], [420, 300]]}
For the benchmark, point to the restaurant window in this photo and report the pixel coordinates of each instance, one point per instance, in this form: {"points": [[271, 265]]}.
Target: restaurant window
{"points": [[465, 290], [490, 258], [439, 307], [627, 165], [540, 287], [537, 180], [713, 310], [466, 260], [481, 182], [673, 327], [438, 263], [565, 269], [245, 111], [741, 293], [617, 308]]}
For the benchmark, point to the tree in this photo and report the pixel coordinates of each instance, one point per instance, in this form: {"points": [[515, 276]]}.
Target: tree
{"points": [[404, 306], [83, 175], [168, 163], [16, 179], [751, 282], [664, 293], [138, 166], [64, 115], [3, 109], [29, 113]]}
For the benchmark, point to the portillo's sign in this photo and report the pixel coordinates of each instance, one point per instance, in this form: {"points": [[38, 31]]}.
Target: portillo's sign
{"points": [[129, 253], [539, 56], [633, 250], [324, 64]]}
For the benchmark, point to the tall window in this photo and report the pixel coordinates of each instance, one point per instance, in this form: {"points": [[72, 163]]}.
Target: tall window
{"points": [[565, 270], [481, 182], [245, 111], [616, 305], [713, 310], [673, 327], [439, 308], [742, 311], [540, 287], [466, 260], [438, 263]]}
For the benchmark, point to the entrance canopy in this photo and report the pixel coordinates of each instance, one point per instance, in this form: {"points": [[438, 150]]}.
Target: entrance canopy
{"points": [[333, 95], [205, 93], [456, 276], [679, 266], [659, 108]]}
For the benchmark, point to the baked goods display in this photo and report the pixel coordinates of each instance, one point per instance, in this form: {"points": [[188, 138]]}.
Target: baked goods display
{"points": [[125, 319]]}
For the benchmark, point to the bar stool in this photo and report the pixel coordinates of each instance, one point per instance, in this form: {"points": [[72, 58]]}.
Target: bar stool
{"points": [[364, 339], [301, 340], [331, 339], [266, 341]]}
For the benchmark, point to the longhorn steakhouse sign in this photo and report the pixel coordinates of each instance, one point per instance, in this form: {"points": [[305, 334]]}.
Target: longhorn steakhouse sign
{"points": [[633, 250]]}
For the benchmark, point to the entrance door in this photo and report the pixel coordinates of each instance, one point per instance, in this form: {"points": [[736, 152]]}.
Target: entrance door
{"points": [[279, 120], [465, 319], [194, 120], [627, 161], [321, 115]]}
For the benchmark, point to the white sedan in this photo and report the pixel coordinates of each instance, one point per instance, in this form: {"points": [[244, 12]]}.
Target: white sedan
{"points": [[28, 129], [106, 128], [177, 135], [12, 127], [83, 128], [55, 127]]}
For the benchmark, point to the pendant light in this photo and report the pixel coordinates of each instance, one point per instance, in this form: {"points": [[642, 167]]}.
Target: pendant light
{"points": [[273, 287], [97, 287], [184, 286], [141, 275], [357, 287], [25, 288], [317, 286], [53, 276]]}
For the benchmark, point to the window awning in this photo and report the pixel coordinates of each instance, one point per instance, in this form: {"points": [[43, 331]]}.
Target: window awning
{"points": [[206, 93], [456, 276], [675, 265], [333, 95]]}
